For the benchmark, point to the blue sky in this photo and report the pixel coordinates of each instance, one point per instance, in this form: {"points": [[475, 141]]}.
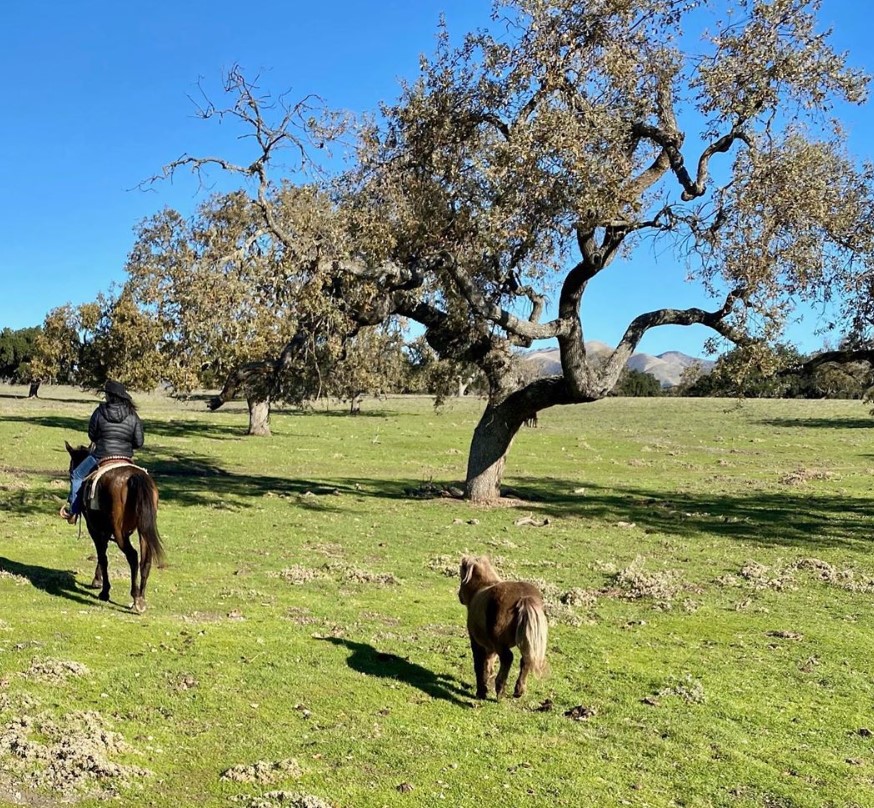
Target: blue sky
{"points": [[97, 98]]}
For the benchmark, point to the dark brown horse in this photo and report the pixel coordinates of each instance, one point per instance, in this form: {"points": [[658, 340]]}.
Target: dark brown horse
{"points": [[502, 615], [127, 500]]}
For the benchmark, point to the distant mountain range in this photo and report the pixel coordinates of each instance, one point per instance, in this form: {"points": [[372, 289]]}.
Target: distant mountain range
{"points": [[666, 367]]}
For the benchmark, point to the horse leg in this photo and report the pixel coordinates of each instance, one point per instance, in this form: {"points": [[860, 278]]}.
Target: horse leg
{"points": [[506, 657], [96, 537], [481, 667], [524, 670], [101, 574], [131, 555], [145, 568], [97, 580]]}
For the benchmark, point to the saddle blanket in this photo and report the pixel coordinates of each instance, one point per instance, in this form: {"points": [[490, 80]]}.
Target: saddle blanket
{"points": [[94, 476]]}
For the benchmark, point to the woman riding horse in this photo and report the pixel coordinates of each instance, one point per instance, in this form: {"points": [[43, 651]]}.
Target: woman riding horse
{"points": [[116, 431]]}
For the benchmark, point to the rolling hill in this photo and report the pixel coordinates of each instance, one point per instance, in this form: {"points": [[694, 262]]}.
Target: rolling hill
{"points": [[667, 367]]}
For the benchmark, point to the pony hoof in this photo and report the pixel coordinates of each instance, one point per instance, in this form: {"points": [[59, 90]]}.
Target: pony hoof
{"points": [[138, 606], [104, 596]]}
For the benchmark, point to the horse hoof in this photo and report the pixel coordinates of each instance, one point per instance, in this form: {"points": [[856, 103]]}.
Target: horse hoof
{"points": [[104, 596], [138, 606]]}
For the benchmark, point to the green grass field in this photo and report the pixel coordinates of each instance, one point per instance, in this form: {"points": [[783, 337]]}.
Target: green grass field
{"points": [[707, 570]]}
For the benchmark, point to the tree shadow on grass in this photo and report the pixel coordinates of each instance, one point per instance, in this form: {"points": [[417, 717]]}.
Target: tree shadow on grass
{"points": [[368, 660], [864, 421], [174, 428], [791, 518], [60, 583]]}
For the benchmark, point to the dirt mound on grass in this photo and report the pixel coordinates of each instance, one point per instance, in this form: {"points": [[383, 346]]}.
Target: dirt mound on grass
{"points": [[263, 772], [282, 799], [69, 756], [54, 671]]}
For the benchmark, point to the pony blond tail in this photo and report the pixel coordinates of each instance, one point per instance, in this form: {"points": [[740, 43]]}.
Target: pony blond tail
{"points": [[531, 635]]}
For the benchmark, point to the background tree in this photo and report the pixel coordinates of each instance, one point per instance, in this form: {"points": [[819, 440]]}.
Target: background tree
{"points": [[371, 363], [532, 161], [235, 305], [637, 384], [109, 338], [16, 352], [759, 371], [442, 378], [58, 348]]}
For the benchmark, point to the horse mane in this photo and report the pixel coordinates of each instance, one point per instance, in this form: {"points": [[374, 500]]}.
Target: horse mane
{"points": [[481, 565]]}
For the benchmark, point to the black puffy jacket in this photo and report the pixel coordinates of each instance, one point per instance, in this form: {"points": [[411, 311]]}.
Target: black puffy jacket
{"points": [[116, 431]]}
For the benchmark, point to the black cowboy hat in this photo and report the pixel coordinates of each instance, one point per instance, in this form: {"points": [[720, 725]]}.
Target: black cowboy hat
{"points": [[116, 389]]}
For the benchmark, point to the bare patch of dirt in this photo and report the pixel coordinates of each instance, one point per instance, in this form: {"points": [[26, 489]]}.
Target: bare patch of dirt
{"points": [[282, 799], [445, 565], [18, 703], [802, 475], [54, 671], [203, 617], [779, 577], [349, 574], [786, 635], [298, 575], [636, 583], [301, 616], [264, 772], [360, 576], [579, 597], [70, 756], [564, 607], [186, 682], [504, 544], [843, 578], [686, 687]]}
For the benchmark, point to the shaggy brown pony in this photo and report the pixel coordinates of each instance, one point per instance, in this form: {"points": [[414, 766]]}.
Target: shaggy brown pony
{"points": [[500, 615]]}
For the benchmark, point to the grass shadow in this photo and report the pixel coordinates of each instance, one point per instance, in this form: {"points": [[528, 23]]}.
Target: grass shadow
{"points": [[791, 518], [59, 583], [174, 428], [368, 660], [862, 422]]}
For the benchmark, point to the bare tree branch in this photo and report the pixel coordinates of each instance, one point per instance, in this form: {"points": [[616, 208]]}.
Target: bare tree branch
{"points": [[527, 329], [715, 320], [840, 357]]}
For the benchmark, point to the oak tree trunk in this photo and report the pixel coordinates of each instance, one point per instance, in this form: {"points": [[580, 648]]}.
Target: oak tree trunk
{"points": [[259, 417], [491, 442]]}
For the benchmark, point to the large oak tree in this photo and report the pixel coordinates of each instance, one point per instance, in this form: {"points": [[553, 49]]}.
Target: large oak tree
{"points": [[530, 158]]}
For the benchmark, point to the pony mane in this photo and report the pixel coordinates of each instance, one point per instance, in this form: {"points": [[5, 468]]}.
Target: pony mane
{"points": [[472, 564]]}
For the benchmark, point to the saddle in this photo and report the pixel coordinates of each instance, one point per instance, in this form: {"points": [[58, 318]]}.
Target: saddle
{"points": [[89, 489]]}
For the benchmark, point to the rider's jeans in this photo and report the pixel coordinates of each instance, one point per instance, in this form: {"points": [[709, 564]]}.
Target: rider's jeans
{"points": [[77, 477]]}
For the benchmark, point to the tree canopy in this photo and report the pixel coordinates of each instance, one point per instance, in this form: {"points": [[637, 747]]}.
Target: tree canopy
{"points": [[16, 352]]}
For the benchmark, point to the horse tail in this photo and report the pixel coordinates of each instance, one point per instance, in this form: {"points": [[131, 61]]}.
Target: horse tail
{"points": [[531, 633], [142, 489]]}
